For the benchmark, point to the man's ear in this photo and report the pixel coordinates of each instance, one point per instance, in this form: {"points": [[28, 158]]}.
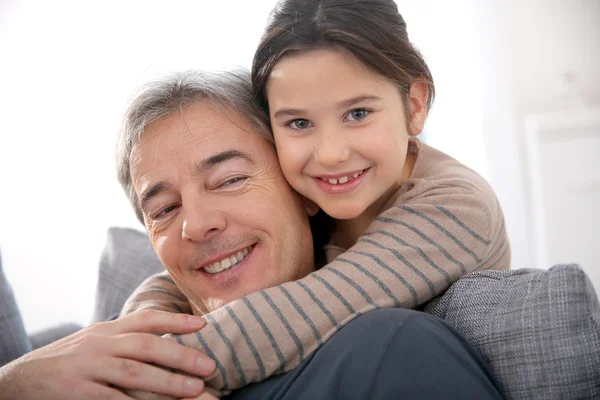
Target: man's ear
{"points": [[311, 207], [417, 102]]}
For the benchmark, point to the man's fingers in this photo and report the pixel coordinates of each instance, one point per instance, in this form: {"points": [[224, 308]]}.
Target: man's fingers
{"points": [[203, 396], [164, 352], [102, 392], [135, 375], [153, 321]]}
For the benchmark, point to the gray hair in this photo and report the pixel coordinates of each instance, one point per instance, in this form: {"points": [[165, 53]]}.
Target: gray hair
{"points": [[230, 91]]}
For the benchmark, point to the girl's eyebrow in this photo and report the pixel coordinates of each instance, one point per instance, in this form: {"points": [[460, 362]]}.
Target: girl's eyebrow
{"points": [[363, 98]]}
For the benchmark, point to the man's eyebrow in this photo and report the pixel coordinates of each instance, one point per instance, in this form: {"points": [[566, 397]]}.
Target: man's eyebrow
{"points": [[291, 112], [207, 163], [152, 191], [216, 159]]}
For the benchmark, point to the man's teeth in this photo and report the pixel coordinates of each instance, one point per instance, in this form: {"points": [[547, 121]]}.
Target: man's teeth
{"points": [[343, 179], [227, 262]]}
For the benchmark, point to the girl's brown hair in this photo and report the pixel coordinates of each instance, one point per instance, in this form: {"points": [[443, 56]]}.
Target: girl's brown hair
{"points": [[372, 31]]}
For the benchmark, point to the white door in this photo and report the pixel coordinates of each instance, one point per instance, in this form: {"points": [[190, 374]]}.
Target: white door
{"points": [[564, 159]]}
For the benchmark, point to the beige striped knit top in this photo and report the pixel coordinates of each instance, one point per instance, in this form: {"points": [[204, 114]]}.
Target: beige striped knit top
{"points": [[444, 222]]}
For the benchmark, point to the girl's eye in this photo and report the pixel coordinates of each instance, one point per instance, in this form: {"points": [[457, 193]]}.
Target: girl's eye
{"points": [[357, 115], [299, 124]]}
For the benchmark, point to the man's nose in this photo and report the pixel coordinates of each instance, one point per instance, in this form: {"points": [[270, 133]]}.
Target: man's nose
{"points": [[201, 222], [331, 149]]}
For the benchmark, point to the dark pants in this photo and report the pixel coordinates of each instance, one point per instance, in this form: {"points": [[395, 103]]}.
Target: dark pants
{"points": [[385, 354]]}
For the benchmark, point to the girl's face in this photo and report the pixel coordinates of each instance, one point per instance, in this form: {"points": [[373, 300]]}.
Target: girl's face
{"points": [[340, 130]]}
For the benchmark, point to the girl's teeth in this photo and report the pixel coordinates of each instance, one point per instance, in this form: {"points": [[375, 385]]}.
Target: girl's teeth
{"points": [[343, 179]]}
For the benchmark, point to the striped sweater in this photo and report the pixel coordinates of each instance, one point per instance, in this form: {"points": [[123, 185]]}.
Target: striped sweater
{"points": [[444, 222]]}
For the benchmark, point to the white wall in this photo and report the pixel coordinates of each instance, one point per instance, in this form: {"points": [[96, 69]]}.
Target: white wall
{"points": [[525, 46], [68, 68], [67, 71]]}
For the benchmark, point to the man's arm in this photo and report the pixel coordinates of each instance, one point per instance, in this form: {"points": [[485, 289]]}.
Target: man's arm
{"points": [[95, 360], [410, 254]]}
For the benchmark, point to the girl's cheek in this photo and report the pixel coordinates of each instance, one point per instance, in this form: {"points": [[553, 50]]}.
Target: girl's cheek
{"points": [[289, 156]]}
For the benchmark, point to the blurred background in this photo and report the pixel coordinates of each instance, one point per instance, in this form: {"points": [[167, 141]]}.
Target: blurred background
{"points": [[518, 100]]}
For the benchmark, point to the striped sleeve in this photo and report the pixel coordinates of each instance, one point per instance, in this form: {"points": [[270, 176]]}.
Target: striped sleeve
{"points": [[411, 253], [158, 292]]}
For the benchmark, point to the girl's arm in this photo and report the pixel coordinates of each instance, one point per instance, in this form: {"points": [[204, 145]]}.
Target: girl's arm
{"points": [[158, 292], [411, 253]]}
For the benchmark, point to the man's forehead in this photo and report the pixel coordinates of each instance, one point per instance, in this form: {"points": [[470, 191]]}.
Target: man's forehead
{"points": [[200, 130], [195, 124], [188, 125]]}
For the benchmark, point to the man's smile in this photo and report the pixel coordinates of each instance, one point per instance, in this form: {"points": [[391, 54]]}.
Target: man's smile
{"points": [[228, 262]]}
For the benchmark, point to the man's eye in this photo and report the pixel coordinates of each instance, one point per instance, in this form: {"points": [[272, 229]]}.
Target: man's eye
{"points": [[168, 209], [299, 124], [165, 212], [357, 114], [233, 181]]}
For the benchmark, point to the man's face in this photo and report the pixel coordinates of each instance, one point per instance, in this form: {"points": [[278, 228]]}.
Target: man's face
{"points": [[221, 216]]}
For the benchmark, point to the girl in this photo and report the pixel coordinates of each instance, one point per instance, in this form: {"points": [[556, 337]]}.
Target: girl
{"points": [[347, 94]]}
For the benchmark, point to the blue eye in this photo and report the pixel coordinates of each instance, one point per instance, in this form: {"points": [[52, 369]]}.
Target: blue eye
{"points": [[299, 124], [357, 114]]}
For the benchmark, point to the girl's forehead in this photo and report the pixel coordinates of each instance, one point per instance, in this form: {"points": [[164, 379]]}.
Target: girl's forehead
{"points": [[322, 76], [316, 57]]}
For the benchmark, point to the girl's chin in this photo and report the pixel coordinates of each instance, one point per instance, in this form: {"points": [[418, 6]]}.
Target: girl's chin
{"points": [[341, 212]]}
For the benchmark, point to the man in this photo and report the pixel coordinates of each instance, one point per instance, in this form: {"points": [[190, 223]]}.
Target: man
{"points": [[207, 184]]}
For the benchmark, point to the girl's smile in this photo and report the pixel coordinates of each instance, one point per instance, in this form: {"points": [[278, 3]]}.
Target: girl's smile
{"points": [[341, 183], [340, 130]]}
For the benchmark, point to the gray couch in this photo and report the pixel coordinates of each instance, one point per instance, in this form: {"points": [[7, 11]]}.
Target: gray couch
{"points": [[538, 329]]}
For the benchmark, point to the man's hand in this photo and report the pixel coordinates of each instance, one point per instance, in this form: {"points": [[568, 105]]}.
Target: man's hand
{"points": [[204, 396], [92, 362]]}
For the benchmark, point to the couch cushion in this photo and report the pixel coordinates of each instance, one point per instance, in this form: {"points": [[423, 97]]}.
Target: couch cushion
{"points": [[13, 339], [127, 259], [538, 329]]}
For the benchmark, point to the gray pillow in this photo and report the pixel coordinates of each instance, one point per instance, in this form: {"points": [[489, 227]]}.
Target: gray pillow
{"points": [[13, 339], [127, 259], [538, 329]]}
